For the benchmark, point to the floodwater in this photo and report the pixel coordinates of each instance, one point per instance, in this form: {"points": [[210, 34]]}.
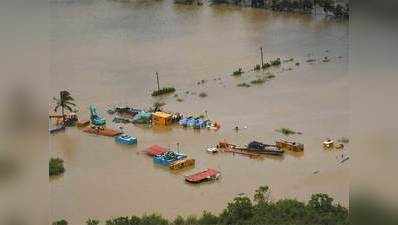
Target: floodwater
{"points": [[106, 53]]}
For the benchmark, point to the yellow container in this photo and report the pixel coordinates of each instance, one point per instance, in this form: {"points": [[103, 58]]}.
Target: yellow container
{"points": [[181, 164], [161, 118]]}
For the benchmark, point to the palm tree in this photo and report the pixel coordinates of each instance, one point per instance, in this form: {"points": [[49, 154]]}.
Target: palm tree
{"points": [[65, 101]]}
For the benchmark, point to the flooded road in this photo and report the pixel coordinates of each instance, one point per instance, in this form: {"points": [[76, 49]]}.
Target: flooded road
{"points": [[106, 53]]}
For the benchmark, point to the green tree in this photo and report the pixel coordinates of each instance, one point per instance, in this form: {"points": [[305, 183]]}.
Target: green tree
{"points": [[238, 211], [179, 220], [321, 202], [262, 194], [56, 166], [208, 219], [65, 101], [60, 222], [92, 222]]}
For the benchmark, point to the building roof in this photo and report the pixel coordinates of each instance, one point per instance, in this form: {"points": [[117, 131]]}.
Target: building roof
{"points": [[162, 114], [156, 150]]}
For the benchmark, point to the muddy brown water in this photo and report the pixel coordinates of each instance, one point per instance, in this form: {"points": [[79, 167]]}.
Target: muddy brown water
{"points": [[105, 53]]}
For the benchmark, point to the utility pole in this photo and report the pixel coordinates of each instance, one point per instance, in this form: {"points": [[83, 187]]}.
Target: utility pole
{"points": [[157, 80], [313, 3], [262, 57]]}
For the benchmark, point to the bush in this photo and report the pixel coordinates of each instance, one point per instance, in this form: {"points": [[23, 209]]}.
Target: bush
{"points": [[208, 219], [237, 211], [258, 81], [276, 62], [60, 222], [257, 67], [286, 131], [270, 76], [265, 66], [241, 211], [238, 72], [92, 222], [243, 85], [165, 90], [56, 166]]}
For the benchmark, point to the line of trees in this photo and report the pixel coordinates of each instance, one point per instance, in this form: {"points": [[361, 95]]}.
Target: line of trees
{"points": [[320, 210], [329, 6]]}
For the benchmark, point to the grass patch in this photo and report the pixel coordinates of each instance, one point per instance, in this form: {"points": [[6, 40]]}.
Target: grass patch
{"points": [[276, 62], [60, 222], [165, 90], [243, 85], [56, 166], [286, 131], [258, 81], [270, 76], [92, 222], [289, 60], [257, 67], [265, 66], [238, 72]]}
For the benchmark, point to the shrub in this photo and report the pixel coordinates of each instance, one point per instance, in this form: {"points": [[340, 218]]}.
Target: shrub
{"points": [[56, 166], [286, 131], [60, 222], [257, 67], [265, 66], [243, 85], [241, 211], [270, 76], [258, 81], [237, 211], [165, 90], [238, 72], [276, 62], [208, 219], [92, 222]]}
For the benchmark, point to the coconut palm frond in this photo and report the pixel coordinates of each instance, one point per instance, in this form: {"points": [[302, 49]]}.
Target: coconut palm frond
{"points": [[68, 108], [56, 107], [70, 103], [68, 98]]}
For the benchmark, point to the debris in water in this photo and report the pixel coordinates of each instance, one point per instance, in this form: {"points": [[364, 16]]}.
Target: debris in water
{"points": [[243, 85], [202, 95], [344, 140]]}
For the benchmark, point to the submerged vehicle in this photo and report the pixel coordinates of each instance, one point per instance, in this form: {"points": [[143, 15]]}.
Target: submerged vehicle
{"points": [[155, 150], [56, 129], [95, 118], [262, 148], [212, 150], [205, 175], [142, 117], [126, 139], [168, 158], [183, 121], [289, 145], [328, 143], [181, 164], [200, 123], [191, 122]]}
